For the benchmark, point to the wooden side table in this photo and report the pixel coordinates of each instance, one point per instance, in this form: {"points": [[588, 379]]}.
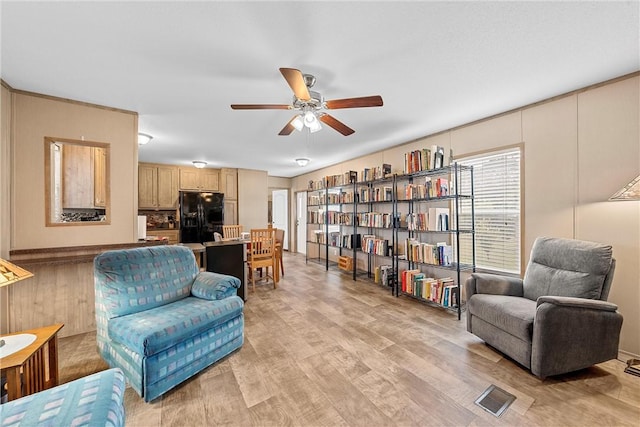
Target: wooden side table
{"points": [[35, 367]]}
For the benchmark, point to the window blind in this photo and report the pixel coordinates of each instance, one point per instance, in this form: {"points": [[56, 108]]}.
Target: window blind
{"points": [[496, 189]]}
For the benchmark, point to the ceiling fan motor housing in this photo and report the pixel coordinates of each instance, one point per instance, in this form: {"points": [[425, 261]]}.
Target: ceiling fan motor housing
{"points": [[315, 102]]}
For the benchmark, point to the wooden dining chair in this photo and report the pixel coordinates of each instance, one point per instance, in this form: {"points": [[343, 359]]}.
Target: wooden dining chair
{"points": [[279, 236], [231, 231], [262, 255]]}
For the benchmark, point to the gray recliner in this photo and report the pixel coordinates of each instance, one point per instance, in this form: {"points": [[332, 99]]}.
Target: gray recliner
{"points": [[555, 320]]}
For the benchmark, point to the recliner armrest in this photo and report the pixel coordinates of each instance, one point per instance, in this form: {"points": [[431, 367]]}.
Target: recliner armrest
{"points": [[577, 302], [214, 286], [495, 284]]}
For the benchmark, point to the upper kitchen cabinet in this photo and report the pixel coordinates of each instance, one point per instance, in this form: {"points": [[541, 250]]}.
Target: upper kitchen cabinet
{"points": [[193, 179], [157, 186], [229, 183], [84, 177]]}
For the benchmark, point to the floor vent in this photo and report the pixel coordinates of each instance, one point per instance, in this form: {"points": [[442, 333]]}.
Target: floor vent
{"points": [[495, 400]]}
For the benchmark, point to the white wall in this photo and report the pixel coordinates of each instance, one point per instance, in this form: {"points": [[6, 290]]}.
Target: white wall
{"points": [[578, 150]]}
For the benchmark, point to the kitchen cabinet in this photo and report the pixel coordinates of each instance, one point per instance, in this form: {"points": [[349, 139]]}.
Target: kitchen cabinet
{"points": [[193, 179], [99, 177], [229, 183], [230, 211], [84, 171], [157, 186]]}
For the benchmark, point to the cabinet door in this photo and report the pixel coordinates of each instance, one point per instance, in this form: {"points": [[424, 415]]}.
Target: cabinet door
{"points": [[77, 177], [209, 179], [230, 212], [147, 186], [189, 179], [167, 187], [99, 177], [229, 183]]}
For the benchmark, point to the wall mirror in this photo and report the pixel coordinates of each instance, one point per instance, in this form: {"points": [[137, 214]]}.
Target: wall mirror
{"points": [[77, 180]]}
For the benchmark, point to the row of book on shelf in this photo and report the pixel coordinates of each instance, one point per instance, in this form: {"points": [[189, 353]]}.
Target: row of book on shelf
{"points": [[427, 253], [349, 177], [431, 189], [424, 159], [442, 291], [434, 219], [383, 275], [414, 161], [363, 219], [331, 199], [374, 245], [335, 238]]}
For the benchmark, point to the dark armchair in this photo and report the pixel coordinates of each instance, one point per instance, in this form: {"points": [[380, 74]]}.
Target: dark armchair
{"points": [[555, 320]]}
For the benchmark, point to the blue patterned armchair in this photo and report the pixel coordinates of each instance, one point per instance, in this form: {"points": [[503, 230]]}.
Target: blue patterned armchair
{"points": [[160, 319]]}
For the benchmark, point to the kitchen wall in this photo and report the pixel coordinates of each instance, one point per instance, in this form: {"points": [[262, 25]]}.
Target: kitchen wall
{"points": [[252, 198], [578, 150], [35, 116]]}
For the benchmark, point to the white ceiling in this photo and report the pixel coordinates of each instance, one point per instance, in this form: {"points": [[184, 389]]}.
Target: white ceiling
{"points": [[436, 64]]}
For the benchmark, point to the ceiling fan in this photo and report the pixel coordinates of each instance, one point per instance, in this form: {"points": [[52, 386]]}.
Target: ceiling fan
{"points": [[311, 104]]}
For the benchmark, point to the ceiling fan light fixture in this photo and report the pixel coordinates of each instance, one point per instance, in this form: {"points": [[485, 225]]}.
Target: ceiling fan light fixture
{"points": [[309, 118], [298, 123], [302, 161], [199, 164], [144, 138], [315, 126]]}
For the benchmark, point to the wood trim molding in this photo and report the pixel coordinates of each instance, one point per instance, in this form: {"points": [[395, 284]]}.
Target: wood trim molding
{"points": [[67, 100]]}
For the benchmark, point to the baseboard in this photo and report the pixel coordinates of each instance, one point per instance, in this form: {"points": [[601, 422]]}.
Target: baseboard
{"points": [[623, 356]]}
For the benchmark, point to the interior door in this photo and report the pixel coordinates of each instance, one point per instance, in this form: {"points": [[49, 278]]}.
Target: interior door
{"points": [[301, 222], [280, 213]]}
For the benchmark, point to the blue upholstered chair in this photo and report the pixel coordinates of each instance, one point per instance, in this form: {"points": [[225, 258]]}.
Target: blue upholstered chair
{"points": [[94, 400], [555, 320], [160, 319]]}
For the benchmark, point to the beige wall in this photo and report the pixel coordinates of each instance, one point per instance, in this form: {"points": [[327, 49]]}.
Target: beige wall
{"points": [[5, 192], [35, 117], [578, 150], [253, 199]]}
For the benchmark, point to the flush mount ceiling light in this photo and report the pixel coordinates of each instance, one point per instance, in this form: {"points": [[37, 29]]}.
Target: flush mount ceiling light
{"points": [[199, 164], [302, 161], [144, 138]]}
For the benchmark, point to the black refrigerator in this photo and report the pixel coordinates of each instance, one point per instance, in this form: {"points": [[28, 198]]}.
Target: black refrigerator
{"points": [[201, 215]]}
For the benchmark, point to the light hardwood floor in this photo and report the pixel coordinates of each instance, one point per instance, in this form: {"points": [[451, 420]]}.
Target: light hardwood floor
{"points": [[323, 350]]}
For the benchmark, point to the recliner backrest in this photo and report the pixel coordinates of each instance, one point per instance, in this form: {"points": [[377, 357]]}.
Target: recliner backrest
{"points": [[567, 267], [133, 280]]}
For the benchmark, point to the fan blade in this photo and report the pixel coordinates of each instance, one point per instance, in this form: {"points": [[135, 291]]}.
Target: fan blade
{"points": [[365, 101], [260, 107], [288, 128], [336, 124], [296, 82]]}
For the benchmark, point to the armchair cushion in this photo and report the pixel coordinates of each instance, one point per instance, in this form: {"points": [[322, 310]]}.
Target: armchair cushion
{"points": [[160, 328], [565, 267], [513, 315], [214, 286]]}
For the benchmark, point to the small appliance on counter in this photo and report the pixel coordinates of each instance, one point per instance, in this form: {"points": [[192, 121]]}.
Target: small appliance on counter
{"points": [[142, 227]]}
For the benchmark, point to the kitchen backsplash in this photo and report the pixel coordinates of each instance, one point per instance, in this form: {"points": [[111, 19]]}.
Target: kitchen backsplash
{"points": [[162, 220]]}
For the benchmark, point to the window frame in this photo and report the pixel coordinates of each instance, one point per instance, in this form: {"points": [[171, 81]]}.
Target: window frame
{"points": [[490, 152]]}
